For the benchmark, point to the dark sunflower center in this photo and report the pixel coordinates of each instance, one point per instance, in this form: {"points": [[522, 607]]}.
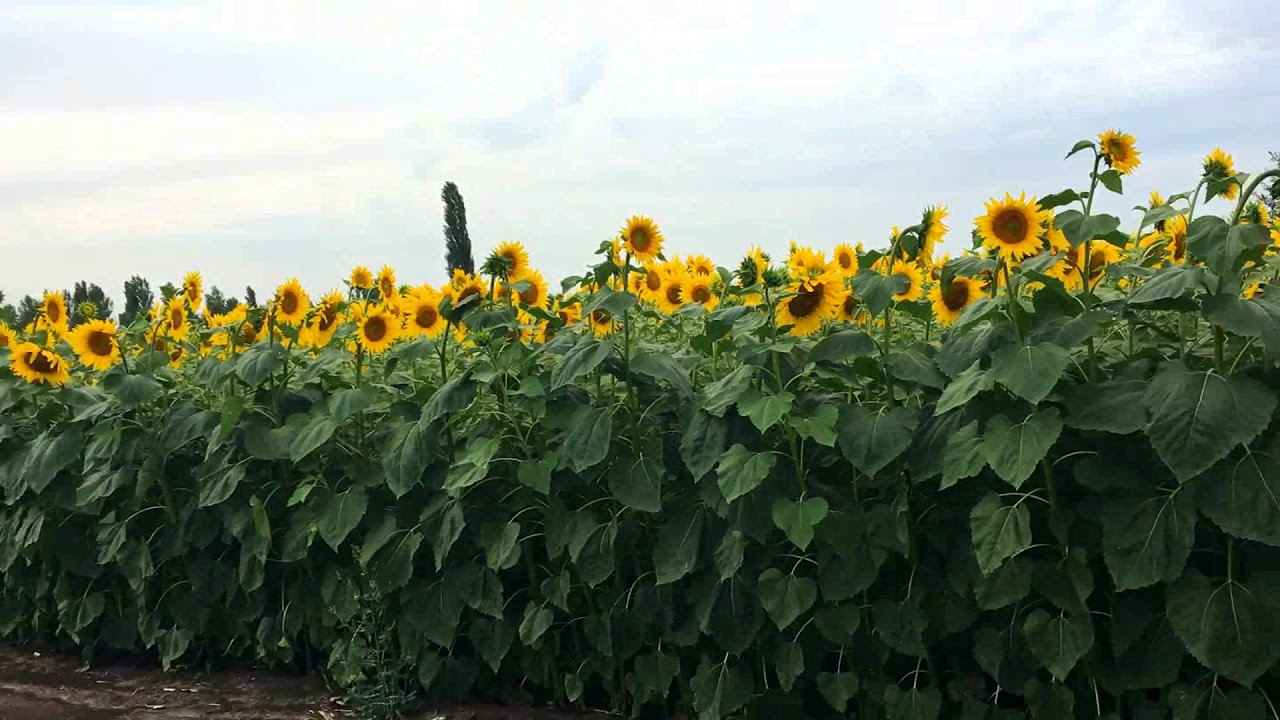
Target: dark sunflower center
{"points": [[601, 317], [426, 316], [850, 305], [806, 302], [101, 343], [653, 281], [289, 303], [328, 318], [701, 294], [956, 295], [375, 328], [640, 240], [565, 317], [467, 292], [1010, 226], [845, 260], [673, 294], [386, 287], [1118, 150], [1179, 241], [247, 333], [43, 362], [530, 295], [53, 311], [4, 339]]}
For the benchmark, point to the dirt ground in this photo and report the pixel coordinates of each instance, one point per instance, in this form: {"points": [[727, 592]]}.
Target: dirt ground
{"points": [[36, 686]]}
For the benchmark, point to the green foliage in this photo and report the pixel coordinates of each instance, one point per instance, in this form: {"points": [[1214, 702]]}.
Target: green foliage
{"points": [[1060, 506]]}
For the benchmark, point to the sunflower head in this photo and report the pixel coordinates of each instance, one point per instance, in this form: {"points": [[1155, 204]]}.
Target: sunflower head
{"points": [[811, 301], [53, 311], [8, 338], [1256, 213], [948, 302], [642, 239], [700, 290], [700, 265], [387, 282], [87, 310], [193, 290], [933, 229], [845, 259], [38, 365], [910, 272], [805, 262], [508, 260], [175, 318], [601, 322], [529, 288], [670, 296], [1220, 169], [1012, 227], [291, 303], [422, 313], [1120, 151], [361, 278], [95, 343], [377, 330]]}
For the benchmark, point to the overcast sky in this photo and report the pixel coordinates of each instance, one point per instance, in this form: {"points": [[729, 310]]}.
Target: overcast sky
{"points": [[260, 140]]}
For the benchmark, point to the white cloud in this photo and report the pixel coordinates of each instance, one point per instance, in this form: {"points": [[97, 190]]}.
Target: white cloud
{"points": [[321, 132]]}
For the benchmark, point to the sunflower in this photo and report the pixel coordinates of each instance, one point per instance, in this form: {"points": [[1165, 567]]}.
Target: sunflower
{"points": [[177, 356], [465, 286], [699, 289], [646, 283], [810, 302], [933, 229], [806, 263], [514, 257], [1221, 166], [175, 318], [377, 329], [569, 313], [1255, 213], [534, 293], [422, 311], [1175, 234], [387, 283], [1101, 254], [845, 259], [959, 294], [642, 238], [1157, 201], [700, 265], [325, 323], [361, 277], [193, 290], [87, 310], [8, 338], [849, 308], [95, 342], [38, 365], [248, 334], [53, 308], [1012, 227], [292, 303], [1119, 150], [915, 282], [671, 297], [601, 322]]}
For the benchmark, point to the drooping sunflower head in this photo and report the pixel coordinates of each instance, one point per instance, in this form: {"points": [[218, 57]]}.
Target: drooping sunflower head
{"points": [[642, 238], [53, 311], [1220, 166], [193, 290], [377, 330], [950, 301], [700, 290], [422, 313], [845, 259], [175, 318], [291, 302], [1012, 227], [1256, 213], [387, 282], [38, 365], [95, 343], [809, 302], [361, 278], [933, 229], [512, 258], [1120, 151]]}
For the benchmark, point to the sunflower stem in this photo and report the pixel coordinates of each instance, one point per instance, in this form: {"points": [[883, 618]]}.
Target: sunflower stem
{"points": [[1247, 193], [1195, 195]]}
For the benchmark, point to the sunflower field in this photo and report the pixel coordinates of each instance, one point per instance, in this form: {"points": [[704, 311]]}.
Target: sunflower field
{"points": [[1038, 479]]}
